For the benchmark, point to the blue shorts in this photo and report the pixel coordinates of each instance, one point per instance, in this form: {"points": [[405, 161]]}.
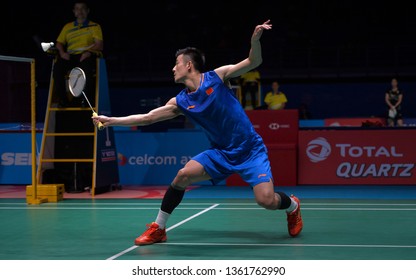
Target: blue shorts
{"points": [[253, 166]]}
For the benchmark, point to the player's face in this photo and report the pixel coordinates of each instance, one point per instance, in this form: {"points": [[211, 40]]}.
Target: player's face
{"points": [[180, 70]]}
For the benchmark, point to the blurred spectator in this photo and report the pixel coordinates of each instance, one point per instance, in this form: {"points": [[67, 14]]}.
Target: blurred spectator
{"points": [[393, 98], [275, 99], [304, 113], [250, 84]]}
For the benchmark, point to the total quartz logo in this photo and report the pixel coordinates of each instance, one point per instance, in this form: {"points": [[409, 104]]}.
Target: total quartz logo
{"points": [[361, 161], [318, 149]]}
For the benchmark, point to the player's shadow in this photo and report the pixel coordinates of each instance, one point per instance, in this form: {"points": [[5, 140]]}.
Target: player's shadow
{"points": [[233, 236], [223, 243]]}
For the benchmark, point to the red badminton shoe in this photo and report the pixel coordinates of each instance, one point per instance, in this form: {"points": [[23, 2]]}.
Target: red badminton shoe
{"points": [[153, 234], [294, 219]]}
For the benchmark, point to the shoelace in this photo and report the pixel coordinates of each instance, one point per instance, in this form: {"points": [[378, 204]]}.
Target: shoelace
{"points": [[150, 228]]}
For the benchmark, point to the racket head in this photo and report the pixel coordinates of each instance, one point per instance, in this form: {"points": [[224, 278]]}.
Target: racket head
{"points": [[76, 81]]}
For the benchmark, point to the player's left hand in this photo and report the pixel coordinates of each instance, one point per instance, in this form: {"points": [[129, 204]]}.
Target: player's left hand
{"points": [[258, 31]]}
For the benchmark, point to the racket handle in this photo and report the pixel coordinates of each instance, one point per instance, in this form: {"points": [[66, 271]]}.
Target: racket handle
{"points": [[100, 126]]}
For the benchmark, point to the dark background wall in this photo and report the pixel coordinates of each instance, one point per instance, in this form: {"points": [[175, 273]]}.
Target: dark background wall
{"points": [[323, 99], [339, 57]]}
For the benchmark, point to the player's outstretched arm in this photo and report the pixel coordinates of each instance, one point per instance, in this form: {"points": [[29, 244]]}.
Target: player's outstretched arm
{"points": [[169, 111], [253, 60]]}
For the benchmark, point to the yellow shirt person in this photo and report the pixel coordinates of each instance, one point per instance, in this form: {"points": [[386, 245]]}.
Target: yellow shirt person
{"points": [[275, 99], [250, 82]]}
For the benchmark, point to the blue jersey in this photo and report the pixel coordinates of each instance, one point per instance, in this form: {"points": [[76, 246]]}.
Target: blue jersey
{"points": [[215, 108]]}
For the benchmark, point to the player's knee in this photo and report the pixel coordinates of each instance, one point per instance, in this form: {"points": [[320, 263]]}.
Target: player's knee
{"points": [[267, 200], [182, 178]]}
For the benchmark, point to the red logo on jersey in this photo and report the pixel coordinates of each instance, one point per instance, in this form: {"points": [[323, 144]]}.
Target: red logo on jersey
{"points": [[209, 91]]}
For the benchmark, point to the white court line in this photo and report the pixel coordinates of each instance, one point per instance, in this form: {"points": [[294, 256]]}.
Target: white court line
{"points": [[327, 209], [199, 208], [291, 245], [210, 203], [359, 204], [95, 203], [97, 208], [168, 229]]}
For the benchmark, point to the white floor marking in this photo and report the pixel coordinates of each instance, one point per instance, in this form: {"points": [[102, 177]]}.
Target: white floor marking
{"points": [[168, 229], [292, 245]]}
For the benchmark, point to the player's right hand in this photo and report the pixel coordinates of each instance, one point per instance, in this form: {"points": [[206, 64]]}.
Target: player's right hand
{"points": [[101, 118]]}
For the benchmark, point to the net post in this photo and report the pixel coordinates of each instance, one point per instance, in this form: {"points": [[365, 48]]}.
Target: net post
{"points": [[35, 199]]}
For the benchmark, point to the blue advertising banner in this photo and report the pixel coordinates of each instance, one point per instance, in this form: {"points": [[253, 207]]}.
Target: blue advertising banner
{"points": [[16, 157], [155, 158], [144, 158]]}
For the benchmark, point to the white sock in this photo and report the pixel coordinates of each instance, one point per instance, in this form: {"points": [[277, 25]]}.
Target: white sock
{"points": [[162, 218], [292, 206]]}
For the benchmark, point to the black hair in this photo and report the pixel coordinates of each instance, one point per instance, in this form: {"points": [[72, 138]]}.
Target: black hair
{"points": [[81, 2], [195, 55]]}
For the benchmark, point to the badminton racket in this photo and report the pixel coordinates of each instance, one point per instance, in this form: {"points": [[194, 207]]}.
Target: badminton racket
{"points": [[76, 84]]}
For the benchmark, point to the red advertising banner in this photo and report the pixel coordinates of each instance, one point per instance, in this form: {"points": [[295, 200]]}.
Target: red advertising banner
{"points": [[354, 121], [279, 130], [276, 126], [362, 157]]}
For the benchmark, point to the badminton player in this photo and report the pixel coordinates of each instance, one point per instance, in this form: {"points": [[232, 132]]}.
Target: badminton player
{"points": [[208, 101]]}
